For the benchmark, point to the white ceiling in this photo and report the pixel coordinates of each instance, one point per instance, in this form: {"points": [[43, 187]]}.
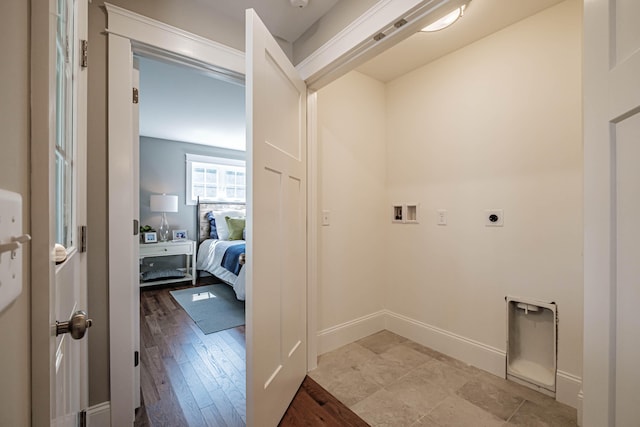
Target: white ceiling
{"points": [[282, 19], [482, 18], [183, 104]]}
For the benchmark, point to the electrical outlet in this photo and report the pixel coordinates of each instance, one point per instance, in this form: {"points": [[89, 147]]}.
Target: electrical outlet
{"points": [[326, 217], [493, 218]]}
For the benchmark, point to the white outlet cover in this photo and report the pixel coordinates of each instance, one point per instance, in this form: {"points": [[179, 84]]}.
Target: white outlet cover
{"points": [[494, 218]]}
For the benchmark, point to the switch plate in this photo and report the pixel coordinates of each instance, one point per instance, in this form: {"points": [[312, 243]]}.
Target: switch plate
{"points": [[442, 216], [493, 218], [11, 259], [326, 217]]}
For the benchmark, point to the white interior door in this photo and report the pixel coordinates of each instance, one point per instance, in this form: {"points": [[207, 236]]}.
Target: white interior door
{"points": [[276, 246], [68, 360], [612, 209]]}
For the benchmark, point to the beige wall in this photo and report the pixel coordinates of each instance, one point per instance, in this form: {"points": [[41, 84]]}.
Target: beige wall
{"points": [[351, 153], [14, 176], [191, 16], [496, 124]]}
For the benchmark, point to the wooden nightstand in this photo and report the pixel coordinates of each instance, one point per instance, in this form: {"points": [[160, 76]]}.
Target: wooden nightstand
{"points": [[170, 248]]}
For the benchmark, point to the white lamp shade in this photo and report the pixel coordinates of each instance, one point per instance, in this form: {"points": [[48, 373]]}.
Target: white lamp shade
{"points": [[164, 203]]}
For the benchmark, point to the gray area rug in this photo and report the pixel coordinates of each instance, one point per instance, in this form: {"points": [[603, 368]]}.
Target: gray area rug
{"points": [[213, 307]]}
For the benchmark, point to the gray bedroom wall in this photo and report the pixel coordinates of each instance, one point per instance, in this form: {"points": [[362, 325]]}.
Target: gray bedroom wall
{"points": [[163, 170]]}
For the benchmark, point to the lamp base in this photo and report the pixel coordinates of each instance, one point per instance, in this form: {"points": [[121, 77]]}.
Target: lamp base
{"points": [[163, 230]]}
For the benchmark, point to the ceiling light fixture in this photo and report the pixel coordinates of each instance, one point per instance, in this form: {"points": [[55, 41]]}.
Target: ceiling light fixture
{"points": [[299, 3], [446, 20]]}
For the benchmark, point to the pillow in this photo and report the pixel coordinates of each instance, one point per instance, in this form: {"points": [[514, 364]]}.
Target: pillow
{"points": [[221, 222], [236, 227], [212, 225]]}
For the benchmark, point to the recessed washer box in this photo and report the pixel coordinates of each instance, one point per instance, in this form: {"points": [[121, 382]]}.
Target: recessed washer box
{"points": [[494, 218]]}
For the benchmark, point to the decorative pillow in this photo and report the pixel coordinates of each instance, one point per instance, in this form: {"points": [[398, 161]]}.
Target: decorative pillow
{"points": [[212, 225], [236, 227], [221, 222]]}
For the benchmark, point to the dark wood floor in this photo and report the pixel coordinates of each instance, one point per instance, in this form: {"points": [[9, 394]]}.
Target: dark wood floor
{"points": [[192, 379]]}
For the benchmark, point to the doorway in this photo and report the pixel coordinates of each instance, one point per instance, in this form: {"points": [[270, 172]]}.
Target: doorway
{"points": [[190, 372]]}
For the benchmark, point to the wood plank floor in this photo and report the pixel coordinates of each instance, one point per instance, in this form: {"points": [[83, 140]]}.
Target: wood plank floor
{"points": [[192, 379]]}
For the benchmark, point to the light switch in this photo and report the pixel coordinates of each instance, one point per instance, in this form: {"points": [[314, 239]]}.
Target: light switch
{"points": [[442, 216], [326, 217], [11, 247]]}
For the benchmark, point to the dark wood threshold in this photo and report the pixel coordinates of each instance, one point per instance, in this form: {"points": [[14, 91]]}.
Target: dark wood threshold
{"points": [[314, 406]]}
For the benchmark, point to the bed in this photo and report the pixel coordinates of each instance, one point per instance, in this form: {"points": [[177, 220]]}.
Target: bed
{"points": [[221, 245]]}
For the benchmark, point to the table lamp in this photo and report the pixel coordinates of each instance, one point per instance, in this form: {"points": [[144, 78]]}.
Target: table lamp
{"points": [[164, 203]]}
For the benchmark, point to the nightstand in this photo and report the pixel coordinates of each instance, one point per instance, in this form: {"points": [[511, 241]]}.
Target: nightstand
{"points": [[170, 248]]}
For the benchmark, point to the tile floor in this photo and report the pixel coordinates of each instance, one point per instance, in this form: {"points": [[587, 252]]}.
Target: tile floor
{"points": [[391, 381]]}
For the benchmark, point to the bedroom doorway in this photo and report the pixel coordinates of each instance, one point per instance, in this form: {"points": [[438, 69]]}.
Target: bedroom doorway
{"points": [[191, 326]]}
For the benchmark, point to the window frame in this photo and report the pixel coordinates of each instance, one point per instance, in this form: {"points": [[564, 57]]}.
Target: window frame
{"points": [[221, 163]]}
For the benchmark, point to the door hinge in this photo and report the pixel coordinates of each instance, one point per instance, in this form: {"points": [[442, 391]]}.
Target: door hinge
{"points": [[84, 57], [136, 358], [135, 95], [136, 227], [83, 238], [82, 418]]}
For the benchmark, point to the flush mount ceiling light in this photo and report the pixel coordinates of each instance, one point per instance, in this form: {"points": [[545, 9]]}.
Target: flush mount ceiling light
{"points": [[446, 20]]}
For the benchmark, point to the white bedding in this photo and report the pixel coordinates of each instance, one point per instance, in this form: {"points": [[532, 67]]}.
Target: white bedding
{"points": [[209, 259]]}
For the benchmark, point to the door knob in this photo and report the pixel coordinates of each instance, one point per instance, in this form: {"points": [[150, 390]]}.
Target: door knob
{"points": [[77, 325]]}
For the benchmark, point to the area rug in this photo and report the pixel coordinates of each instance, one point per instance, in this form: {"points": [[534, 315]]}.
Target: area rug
{"points": [[214, 307]]}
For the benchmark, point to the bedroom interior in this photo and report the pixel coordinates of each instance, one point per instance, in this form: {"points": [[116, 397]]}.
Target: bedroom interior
{"points": [[174, 150]]}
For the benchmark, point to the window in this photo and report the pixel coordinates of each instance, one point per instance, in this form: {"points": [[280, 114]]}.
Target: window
{"points": [[215, 179], [65, 150]]}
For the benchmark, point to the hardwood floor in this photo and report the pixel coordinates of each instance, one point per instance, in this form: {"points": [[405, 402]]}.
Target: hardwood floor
{"points": [[192, 379], [188, 378], [314, 406]]}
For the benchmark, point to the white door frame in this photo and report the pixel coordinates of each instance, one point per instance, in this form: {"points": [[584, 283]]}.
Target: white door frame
{"points": [[126, 30]]}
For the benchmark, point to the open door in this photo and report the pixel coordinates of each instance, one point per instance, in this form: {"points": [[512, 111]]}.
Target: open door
{"points": [[59, 297], [277, 232], [612, 209]]}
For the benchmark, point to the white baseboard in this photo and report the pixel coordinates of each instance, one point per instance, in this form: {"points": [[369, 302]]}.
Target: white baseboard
{"points": [[469, 351], [568, 389], [474, 353], [335, 337], [579, 407], [99, 415]]}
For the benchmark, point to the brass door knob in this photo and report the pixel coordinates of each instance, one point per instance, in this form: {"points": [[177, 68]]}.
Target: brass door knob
{"points": [[77, 325]]}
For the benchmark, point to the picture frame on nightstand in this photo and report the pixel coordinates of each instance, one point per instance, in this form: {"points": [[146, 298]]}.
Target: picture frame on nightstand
{"points": [[179, 235], [150, 237]]}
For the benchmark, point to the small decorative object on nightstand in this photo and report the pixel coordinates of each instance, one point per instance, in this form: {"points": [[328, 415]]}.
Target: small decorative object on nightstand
{"points": [[179, 235], [150, 237]]}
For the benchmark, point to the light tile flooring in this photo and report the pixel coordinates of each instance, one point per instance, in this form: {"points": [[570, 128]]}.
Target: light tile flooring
{"points": [[391, 381]]}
